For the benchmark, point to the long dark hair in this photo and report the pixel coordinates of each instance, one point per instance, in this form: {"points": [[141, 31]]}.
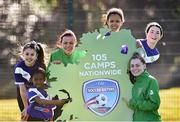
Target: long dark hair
{"points": [[136, 55], [39, 50]]}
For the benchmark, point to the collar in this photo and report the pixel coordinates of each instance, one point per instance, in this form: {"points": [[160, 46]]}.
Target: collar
{"points": [[143, 75]]}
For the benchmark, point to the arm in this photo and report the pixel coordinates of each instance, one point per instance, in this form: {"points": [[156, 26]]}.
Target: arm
{"points": [[50, 60], [140, 49], [23, 94], [151, 99], [51, 102]]}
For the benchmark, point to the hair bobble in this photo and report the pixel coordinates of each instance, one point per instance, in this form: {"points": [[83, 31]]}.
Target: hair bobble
{"points": [[36, 45], [41, 69]]}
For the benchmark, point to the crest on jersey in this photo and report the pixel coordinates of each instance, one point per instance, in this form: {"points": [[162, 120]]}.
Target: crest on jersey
{"points": [[101, 95]]}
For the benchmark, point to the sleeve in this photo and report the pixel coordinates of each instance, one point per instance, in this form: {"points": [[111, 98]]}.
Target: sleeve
{"points": [[151, 99], [31, 95], [83, 53], [140, 48], [18, 76], [50, 60]]}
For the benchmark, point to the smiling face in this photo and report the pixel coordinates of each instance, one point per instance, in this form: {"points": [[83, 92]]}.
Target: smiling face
{"points": [[114, 22], [137, 67], [153, 35], [29, 56], [38, 80], [68, 43]]}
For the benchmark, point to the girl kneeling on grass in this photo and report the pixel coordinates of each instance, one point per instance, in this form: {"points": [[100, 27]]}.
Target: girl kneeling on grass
{"points": [[41, 107]]}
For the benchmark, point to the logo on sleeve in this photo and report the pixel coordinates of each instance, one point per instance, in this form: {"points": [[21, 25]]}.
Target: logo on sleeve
{"points": [[151, 92]]}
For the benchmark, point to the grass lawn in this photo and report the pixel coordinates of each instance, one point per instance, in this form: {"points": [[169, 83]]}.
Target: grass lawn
{"points": [[169, 109]]}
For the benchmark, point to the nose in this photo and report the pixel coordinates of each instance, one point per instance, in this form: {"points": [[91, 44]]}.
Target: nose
{"points": [[153, 35], [28, 56]]}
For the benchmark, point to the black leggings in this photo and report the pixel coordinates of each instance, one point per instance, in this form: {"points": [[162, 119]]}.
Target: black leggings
{"points": [[20, 102]]}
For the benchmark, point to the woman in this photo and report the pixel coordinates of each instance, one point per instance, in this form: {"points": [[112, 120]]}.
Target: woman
{"points": [[67, 53], [145, 99], [32, 58], [154, 33]]}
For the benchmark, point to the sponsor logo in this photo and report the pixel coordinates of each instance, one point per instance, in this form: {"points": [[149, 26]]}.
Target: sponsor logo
{"points": [[101, 95]]}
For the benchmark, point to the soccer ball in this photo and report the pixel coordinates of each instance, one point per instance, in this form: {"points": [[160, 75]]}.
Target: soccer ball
{"points": [[101, 100]]}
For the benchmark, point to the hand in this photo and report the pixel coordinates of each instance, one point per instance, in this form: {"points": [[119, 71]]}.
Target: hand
{"points": [[67, 100], [138, 45], [125, 100], [57, 62], [24, 115], [53, 79]]}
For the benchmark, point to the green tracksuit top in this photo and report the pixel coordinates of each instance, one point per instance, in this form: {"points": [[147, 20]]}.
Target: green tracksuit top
{"points": [[145, 99], [59, 54]]}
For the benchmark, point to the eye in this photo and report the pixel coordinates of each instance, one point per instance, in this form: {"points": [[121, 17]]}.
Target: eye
{"points": [[157, 32], [26, 54], [117, 21], [151, 31], [71, 43], [65, 43], [32, 54], [111, 21]]}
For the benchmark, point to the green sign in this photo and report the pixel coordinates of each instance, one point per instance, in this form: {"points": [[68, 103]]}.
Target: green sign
{"points": [[100, 80]]}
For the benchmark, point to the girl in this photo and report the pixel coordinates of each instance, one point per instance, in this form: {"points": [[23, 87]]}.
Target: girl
{"points": [[67, 53], [32, 58], [145, 99], [154, 33], [41, 107], [114, 19]]}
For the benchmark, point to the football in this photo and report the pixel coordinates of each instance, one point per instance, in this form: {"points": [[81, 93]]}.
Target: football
{"points": [[101, 100]]}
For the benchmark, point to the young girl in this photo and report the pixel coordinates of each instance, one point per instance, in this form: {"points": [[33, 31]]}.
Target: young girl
{"points": [[41, 107], [114, 19], [154, 33], [67, 53], [145, 99], [32, 58]]}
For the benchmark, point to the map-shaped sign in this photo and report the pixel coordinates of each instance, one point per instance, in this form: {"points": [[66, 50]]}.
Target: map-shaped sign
{"points": [[99, 81]]}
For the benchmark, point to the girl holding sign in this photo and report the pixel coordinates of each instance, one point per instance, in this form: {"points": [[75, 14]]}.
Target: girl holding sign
{"points": [[67, 53], [145, 99], [114, 19], [41, 107], [154, 33]]}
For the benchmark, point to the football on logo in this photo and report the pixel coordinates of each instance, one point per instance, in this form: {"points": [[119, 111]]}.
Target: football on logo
{"points": [[101, 100], [97, 101]]}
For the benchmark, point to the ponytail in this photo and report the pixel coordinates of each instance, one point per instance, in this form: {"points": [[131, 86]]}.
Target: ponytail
{"points": [[132, 78], [40, 57]]}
